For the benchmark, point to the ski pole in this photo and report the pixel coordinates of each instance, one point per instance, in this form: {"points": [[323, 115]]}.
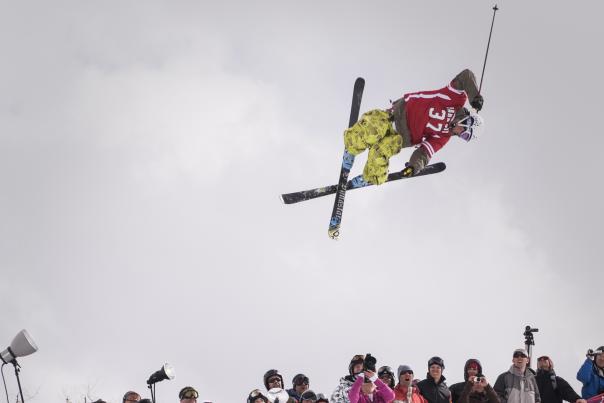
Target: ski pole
{"points": [[495, 8]]}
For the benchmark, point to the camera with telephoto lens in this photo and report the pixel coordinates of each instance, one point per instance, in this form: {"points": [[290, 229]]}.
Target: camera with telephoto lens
{"points": [[369, 363]]}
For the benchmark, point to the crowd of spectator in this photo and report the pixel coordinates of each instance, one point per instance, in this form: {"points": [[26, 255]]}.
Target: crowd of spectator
{"points": [[519, 384], [365, 384]]}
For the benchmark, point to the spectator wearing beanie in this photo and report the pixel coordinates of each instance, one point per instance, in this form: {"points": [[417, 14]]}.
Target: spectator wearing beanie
{"points": [[368, 388], [471, 368], [406, 391], [518, 384], [340, 394], [434, 388], [591, 373], [552, 388]]}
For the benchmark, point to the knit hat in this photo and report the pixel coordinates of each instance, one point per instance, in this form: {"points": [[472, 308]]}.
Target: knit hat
{"points": [[403, 368], [436, 360]]}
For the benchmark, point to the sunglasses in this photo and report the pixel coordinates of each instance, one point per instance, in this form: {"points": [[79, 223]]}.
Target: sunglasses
{"points": [[386, 376], [516, 355], [274, 380], [543, 358]]}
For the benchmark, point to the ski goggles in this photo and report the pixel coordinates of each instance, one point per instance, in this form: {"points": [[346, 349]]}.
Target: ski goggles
{"points": [[188, 393], [468, 124]]}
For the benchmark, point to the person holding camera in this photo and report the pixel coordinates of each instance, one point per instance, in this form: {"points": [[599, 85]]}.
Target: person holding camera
{"points": [[478, 390], [591, 373], [471, 368], [340, 394], [518, 384], [552, 388], [406, 391], [368, 388], [434, 388]]}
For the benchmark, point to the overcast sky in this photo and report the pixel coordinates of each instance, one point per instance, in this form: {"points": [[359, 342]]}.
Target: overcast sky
{"points": [[144, 146]]}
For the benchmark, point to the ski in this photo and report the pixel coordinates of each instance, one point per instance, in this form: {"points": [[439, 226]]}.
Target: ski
{"points": [[347, 162], [355, 183]]}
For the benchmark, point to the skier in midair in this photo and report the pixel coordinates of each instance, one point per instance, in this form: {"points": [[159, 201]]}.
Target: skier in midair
{"points": [[426, 119]]}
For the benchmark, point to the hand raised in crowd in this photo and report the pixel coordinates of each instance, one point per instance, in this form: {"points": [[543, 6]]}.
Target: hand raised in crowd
{"points": [[479, 380], [370, 375]]}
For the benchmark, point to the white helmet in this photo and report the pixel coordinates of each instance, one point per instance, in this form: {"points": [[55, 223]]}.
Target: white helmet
{"points": [[473, 123]]}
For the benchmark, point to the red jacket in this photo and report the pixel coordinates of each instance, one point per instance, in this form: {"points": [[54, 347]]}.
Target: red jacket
{"points": [[429, 114], [400, 394]]}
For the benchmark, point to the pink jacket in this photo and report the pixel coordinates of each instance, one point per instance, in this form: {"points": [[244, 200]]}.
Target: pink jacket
{"points": [[383, 394]]}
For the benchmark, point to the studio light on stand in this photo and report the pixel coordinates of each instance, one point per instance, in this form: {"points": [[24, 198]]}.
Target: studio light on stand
{"points": [[21, 346], [165, 372]]}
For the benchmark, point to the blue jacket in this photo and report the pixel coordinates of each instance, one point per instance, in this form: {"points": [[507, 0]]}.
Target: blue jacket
{"points": [[593, 383]]}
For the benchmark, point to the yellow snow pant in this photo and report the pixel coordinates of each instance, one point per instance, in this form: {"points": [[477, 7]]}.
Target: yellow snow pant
{"points": [[374, 131]]}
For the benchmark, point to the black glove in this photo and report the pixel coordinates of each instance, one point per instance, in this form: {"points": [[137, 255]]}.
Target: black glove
{"points": [[369, 363], [477, 102], [408, 171]]}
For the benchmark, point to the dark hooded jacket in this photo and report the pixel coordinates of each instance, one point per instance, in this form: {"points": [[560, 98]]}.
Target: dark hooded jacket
{"points": [[434, 392], [486, 396], [554, 389], [457, 388]]}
